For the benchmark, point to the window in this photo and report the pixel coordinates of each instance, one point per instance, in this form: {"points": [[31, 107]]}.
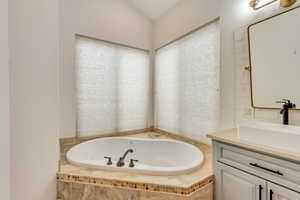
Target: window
{"points": [[112, 87], [187, 84]]}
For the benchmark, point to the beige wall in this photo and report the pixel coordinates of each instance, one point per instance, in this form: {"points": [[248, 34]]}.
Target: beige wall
{"points": [[233, 14], [184, 17], [4, 102], [112, 20], [34, 53]]}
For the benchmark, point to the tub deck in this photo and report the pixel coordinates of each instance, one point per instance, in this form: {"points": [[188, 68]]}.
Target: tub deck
{"points": [[187, 186]]}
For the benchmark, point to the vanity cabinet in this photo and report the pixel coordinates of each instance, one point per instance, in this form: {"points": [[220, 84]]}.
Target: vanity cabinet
{"points": [[233, 184], [242, 174]]}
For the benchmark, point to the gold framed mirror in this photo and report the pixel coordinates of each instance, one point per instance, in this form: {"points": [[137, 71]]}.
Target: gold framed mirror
{"points": [[274, 53]]}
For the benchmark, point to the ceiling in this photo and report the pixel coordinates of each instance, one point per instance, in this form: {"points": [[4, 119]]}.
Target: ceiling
{"points": [[153, 8]]}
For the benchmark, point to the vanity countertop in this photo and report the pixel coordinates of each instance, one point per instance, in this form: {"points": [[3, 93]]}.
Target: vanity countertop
{"points": [[231, 136]]}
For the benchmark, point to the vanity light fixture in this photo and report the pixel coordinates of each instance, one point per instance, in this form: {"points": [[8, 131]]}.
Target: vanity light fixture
{"points": [[256, 4], [287, 3]]}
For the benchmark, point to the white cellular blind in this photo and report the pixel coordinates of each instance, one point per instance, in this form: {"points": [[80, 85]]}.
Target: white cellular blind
{"points": [[112, 87], [187, 84]]}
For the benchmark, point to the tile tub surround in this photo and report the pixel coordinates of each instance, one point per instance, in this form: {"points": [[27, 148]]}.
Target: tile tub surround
{"points": [[75, 191], [182, 185]]}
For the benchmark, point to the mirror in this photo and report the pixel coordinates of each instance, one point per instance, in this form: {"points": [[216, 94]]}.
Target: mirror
{"points": [[274, 49]]}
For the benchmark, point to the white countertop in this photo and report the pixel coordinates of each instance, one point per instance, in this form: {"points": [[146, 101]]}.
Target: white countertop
{"points": [[231, 136]]}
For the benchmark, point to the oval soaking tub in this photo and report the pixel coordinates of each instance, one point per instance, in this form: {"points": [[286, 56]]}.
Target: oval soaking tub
{"points": [[155, 156]]}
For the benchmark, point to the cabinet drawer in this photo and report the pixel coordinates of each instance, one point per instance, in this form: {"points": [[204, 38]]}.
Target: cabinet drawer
{"points": [[267, 167]]}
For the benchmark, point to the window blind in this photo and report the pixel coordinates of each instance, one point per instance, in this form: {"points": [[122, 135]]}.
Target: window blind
{"points": [[187, 84], [112, 87]]}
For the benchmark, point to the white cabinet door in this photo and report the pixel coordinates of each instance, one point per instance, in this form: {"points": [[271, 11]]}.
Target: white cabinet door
{"points": [[233, 184], [276, 192]]}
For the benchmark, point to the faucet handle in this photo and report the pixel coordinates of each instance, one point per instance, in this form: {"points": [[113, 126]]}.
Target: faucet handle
{"points": [[287, 103], [283, 101], [109, 162], [132, 162]]}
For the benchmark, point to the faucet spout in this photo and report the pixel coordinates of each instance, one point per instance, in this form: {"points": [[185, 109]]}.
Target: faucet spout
{"points": [[121, 162], [287, 104]]}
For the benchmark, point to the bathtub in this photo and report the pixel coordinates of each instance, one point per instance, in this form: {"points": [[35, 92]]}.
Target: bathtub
{"points": [[155, 156]]}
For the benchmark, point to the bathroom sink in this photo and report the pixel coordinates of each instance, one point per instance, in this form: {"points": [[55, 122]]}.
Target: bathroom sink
{"points": [[276, 136]]}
